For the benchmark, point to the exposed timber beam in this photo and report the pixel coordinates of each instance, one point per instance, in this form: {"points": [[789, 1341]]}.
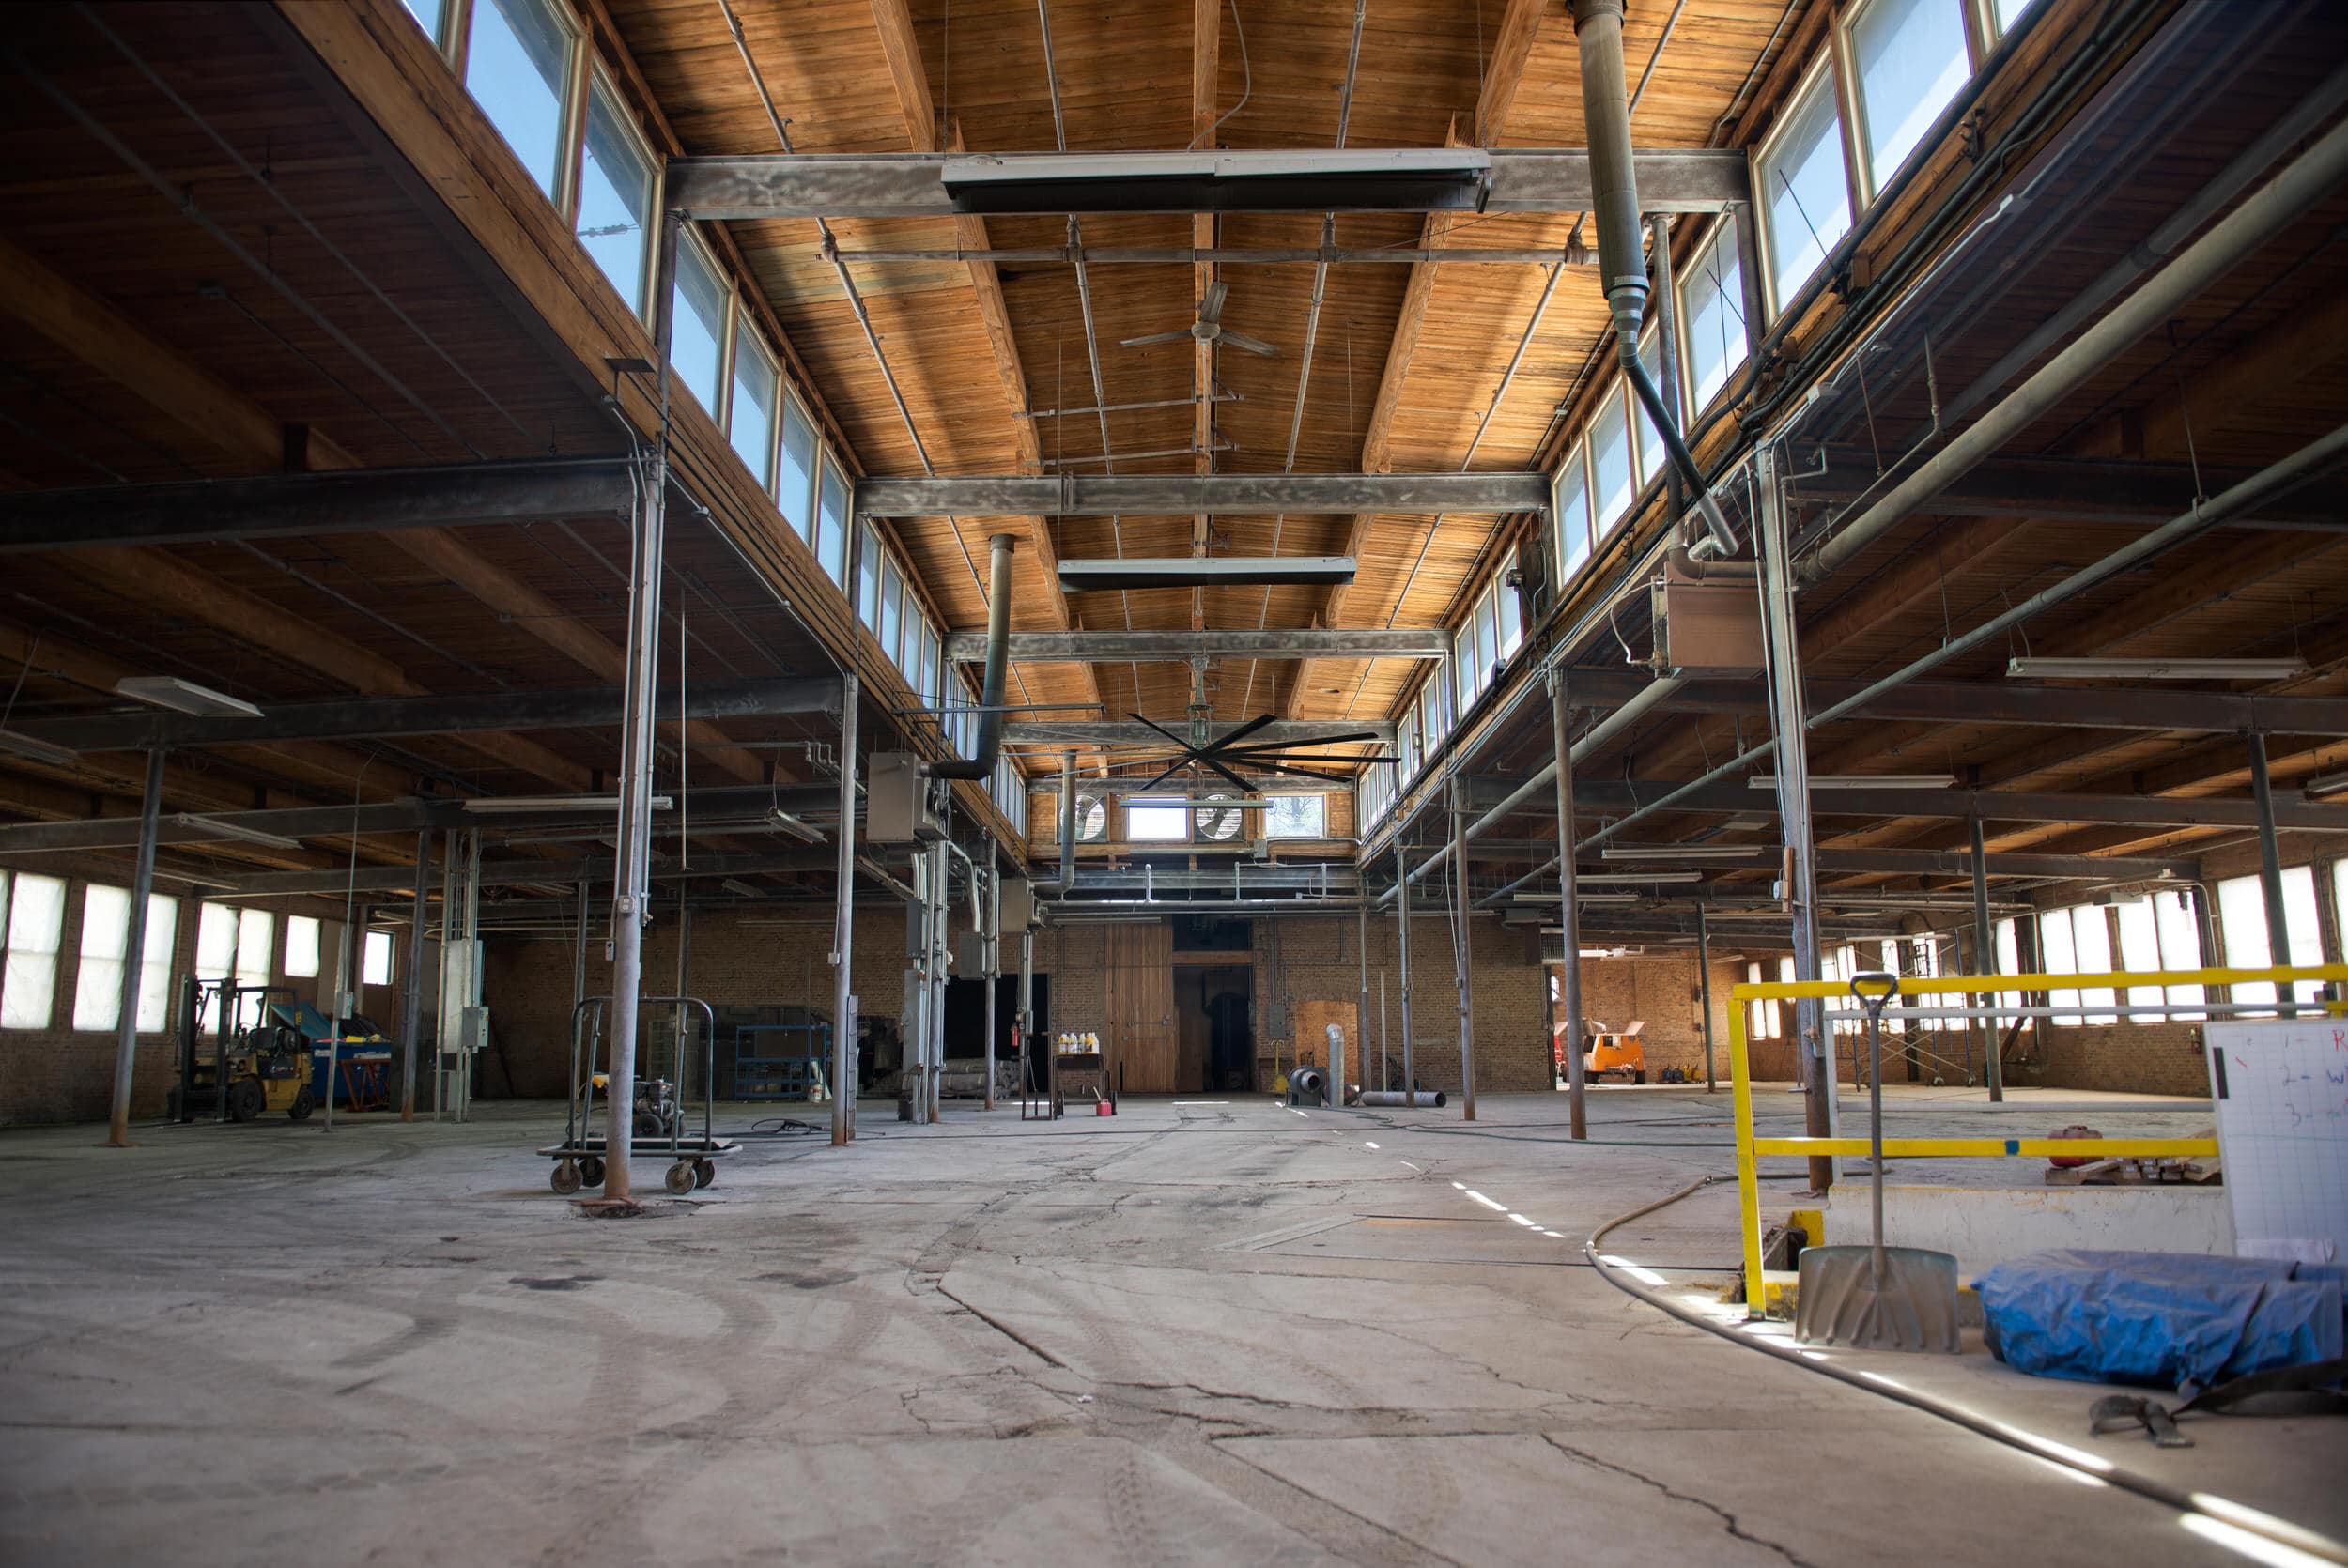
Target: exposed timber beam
{"points": [[526, 874], [1099, 495], [308, 505], [713, 809], [583, 707], [1616, 796], [1102, 732], [1274, 643], [1389, 179]]}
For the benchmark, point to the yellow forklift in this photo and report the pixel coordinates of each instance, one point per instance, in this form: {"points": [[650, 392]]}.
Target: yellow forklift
{"points": [[264, 1066]]}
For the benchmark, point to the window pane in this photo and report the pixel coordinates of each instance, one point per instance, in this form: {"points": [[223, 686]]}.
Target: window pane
{"points": [[1611, 486], [795, 488], [163, 933], [697, 339], [1296, 816], [1910, 59], [29, 987], [1156, 822], [750, 417], [1712, 317], [1511, 614], [2055, 957], [106, 937], [868, 575], [375, 965], [931, 688], [887, 626], [2009, 12], [831, 527], [256, 947], [216, 942], [1650, 442], [427, 15], [2299, 919], [1573, 518], [2242, 929], [2091, 943], [1487, 647], [516, 65], [1406, 746], [302, 947], [615, 193], [2139, 950], [1805, 199], [2180, 949]]}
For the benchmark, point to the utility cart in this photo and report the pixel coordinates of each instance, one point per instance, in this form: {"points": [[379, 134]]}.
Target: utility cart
{"points": [[656, 1121]]}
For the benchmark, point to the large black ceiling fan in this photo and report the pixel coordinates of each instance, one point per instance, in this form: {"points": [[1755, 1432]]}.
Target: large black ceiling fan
{"points": [[1270, 756]]}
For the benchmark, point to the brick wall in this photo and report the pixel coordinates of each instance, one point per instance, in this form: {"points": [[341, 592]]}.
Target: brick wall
{"points": [[63, 1074]]}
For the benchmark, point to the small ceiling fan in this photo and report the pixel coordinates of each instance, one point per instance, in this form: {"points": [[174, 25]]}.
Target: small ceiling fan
{"points": [[1207, 328], [1271, 756]]}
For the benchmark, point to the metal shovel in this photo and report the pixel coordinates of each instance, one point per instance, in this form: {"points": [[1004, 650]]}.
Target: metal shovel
{"points": [[1876, 1298]]}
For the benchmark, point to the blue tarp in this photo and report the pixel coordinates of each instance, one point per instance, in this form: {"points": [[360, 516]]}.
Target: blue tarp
{"points": [[2161, 1318]]}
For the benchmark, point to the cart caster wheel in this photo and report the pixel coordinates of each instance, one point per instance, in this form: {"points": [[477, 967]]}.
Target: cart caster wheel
{"points": [[566, 1178], [680, 1177], [705, 1171], [591, 1171]]}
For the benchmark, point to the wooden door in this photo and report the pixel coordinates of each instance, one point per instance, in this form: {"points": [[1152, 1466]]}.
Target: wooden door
{"points": [[1141, 1007]]}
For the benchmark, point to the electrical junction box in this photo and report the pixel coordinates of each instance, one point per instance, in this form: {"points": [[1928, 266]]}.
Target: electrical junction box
{"points": [[970, 950], [472, 1029], [1015, 907], [1707, 628], [897, 800]]}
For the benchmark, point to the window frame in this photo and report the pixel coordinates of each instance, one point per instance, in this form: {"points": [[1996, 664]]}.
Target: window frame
{"points": [[1271, 828], [689, 243], [1724, 229], [1611, 403], [570, 96], [743, 327], [1868, 182], [1177, 813], [52, 954], [1576, 469], [1820, 76], [624, 119], [108, 991]]}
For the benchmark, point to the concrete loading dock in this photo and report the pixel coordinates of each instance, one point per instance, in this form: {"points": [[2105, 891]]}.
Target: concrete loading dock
{"points": [[1285, 545]]}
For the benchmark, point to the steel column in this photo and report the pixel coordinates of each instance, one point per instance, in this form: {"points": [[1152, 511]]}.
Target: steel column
{"points": [[1403, 960], [134, 957], [1463, 939], [411, 991], [843, 1044], [1704, 982], [1986, 954], [2270, 869], [1569, 980], [987, 939], [1812, 1042], [631, 889], [1361, 1006]]}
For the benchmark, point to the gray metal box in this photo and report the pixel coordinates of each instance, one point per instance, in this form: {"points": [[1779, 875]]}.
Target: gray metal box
{"points": [[1015, 912], [897, 800]]}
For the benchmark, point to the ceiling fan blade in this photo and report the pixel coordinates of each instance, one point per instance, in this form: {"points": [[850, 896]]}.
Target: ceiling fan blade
{"points": [[1171, 770], [1189, 750], [1302, 773], [1224, 743], [1237, 782], [1253, 345], [1274, 755], [1211, 308], [1154, 337]]}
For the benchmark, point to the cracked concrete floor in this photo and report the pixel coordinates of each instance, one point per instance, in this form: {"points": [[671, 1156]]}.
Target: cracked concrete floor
{"points": [[1193, 1334]]}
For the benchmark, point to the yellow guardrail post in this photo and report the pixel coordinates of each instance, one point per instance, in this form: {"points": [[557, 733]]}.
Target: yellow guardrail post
{"points": [[1750, 1149]]}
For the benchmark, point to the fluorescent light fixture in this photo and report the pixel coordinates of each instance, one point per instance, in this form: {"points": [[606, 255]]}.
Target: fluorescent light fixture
{"points": [[1864, 780], [499, 805], [784, 822], [1642, 877], [184, 697], [2155, 669], [734, 884], [213, 825], [17, 743], [1222, 571], [1688, 852], [2317, 787], [1608, 899]]}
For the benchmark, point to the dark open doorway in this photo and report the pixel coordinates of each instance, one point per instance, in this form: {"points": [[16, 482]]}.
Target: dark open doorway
{"points": [[965, 1016], [1215, 1041]]}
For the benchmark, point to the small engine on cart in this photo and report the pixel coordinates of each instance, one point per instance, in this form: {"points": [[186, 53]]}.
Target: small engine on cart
{"points": [[657, 1113]]}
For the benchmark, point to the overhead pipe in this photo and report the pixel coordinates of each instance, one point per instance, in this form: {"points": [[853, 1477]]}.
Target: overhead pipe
{"points": [[2266, 212], [1572, 254], [998, 662]]}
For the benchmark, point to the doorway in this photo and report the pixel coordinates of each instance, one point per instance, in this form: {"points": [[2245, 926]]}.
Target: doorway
{"points": [[1214, 1016]]}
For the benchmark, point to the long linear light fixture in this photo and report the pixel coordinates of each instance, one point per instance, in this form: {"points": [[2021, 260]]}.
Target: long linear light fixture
{"points": [[2324, 785], [184, 697], [1739, 852], [1094, 574], [1864, 780], [237, 831], [501, 805], [2154, 670], [17, 743]]}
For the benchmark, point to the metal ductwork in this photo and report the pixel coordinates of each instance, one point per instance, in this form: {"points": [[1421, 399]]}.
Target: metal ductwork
{"points": [[1621, 259], [997, 664]]}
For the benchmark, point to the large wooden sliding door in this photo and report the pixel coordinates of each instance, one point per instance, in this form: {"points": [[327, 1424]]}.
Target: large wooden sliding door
{"points": [[1141, 1007]]}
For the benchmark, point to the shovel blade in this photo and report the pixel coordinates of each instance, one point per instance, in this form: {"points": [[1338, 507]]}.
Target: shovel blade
{"points": [[1911, 1306]]}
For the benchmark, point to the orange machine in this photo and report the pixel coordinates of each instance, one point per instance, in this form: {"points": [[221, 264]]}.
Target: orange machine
{"points": [[1603, 1052]]}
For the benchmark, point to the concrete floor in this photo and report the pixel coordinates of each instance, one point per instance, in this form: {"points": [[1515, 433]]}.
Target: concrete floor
{"points": [[1193, 1334]]}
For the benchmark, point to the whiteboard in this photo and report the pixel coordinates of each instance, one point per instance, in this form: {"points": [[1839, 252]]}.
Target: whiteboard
{"points": [[2280, 1090]]}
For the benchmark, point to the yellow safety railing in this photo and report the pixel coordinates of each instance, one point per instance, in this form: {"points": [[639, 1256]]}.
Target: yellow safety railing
{"points": [[1750, 1148]]}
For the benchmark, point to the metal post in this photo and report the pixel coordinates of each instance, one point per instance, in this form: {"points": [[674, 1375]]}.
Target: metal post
{"points": [[1664, 306], [986, 941], [1463, 913], [1793, 802], [1361, 1007], [134, 955], [411, 993], [1027, 1006], [2270, 870], [941, 946], [1569, 906], [1703, 981], [440, 992], [1403, 960], [471, 900], [578, 950], [1381, 1030], [843, 1043], [1985, 955], [631, 880]]}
